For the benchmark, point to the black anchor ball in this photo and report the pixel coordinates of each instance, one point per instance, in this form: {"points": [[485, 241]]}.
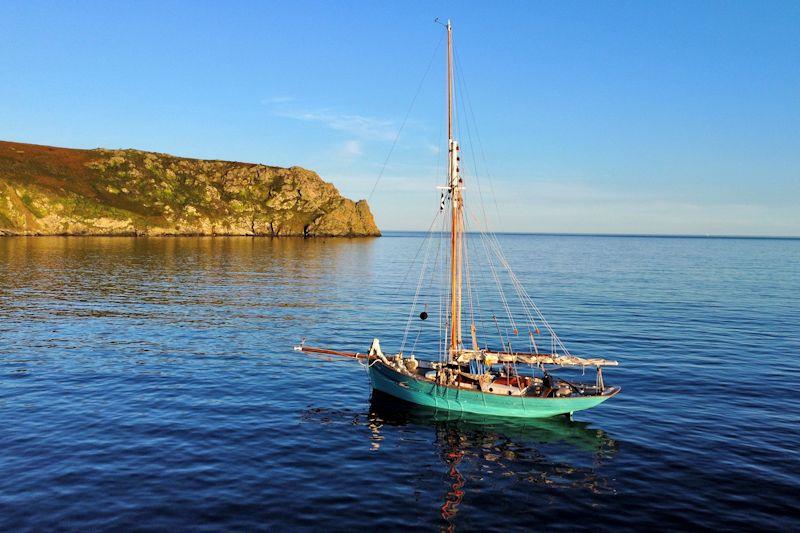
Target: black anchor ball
{"points": [[423, 315]]}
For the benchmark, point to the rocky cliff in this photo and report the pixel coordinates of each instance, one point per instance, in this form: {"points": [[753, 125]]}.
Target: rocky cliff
{"points": [[59, 191]]}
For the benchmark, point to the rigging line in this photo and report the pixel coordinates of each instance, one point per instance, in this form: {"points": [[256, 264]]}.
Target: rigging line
{"points": [[499, 284], [495, 243], [487, 318], [509, 312], [441, 319], [419, 327], [428, 239], [547, 325], [462, 91], [478, 135], [469, 273], [471, 213], [443, 310], [434, 272], [441, 154], [555, 338], [518, 289], [434, 269], [413, 261], [515, 280], [423, 273], [485, 283], [474, 300], [468, 131], [414, 346], [442, 314], [488, 232], [499, 333], [414, 301], [405, 119], [507, 306], [465, 245]]}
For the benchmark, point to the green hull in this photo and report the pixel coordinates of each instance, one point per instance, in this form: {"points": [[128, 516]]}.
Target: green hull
{"points": [[423, 392]]}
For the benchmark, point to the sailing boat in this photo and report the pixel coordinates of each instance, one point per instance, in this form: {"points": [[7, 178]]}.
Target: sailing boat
{"points": [[471, 378]]}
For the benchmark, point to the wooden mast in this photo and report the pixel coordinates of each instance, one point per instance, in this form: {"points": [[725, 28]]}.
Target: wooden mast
{"points": [[456, 214]]}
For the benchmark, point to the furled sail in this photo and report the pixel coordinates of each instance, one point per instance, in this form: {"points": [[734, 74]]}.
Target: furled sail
{"points": [[492, 358]]}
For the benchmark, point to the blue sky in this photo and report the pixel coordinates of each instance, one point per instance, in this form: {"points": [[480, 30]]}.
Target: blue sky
{"points": [[621, 117]]}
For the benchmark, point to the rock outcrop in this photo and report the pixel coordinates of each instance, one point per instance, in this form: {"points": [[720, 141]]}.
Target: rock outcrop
{"points": [[60, 191]]}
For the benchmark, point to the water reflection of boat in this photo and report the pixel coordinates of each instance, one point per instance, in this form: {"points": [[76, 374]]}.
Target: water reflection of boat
{"points": [[478, 452], [560, 430], [550, 452]]}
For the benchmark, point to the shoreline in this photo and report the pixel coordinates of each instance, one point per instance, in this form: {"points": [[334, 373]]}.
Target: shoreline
{"points": [[171, 235]]}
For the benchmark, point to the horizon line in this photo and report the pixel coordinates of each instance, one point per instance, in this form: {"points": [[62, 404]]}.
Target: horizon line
{"points": [[640, 235]]}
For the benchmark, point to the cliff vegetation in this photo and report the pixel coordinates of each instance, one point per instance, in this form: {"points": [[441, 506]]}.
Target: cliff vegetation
{"points": [[46, 190]]}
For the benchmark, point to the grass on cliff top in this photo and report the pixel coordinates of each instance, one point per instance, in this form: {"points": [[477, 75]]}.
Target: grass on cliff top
{"points": [[68, 174]]}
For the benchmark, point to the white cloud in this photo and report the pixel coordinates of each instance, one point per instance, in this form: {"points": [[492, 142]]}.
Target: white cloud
{"points": [[351, 149], [277, 100], [364, 127]]}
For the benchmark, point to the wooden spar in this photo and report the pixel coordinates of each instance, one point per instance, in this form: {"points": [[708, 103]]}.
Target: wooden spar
{"points": [[456, 214], [449, 81], [453, 295], [490, 357], [326, 351], [487, 357], [472, 332]]}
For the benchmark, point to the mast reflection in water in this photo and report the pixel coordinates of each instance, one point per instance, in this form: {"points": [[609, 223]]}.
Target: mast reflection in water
{"points": [[477, 456]]}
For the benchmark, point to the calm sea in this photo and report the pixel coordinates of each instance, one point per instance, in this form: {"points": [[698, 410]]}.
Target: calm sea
{"points": [[150, 383]]}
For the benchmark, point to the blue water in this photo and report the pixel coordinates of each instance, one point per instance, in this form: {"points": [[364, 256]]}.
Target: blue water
{"points": [[150, 383]]}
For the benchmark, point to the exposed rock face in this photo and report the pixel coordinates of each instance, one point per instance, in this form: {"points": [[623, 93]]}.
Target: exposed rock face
{"points": [[60, 191]]}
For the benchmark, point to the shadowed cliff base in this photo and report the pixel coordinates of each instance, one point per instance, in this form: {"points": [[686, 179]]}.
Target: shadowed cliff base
{"points": [[46, 190]]}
